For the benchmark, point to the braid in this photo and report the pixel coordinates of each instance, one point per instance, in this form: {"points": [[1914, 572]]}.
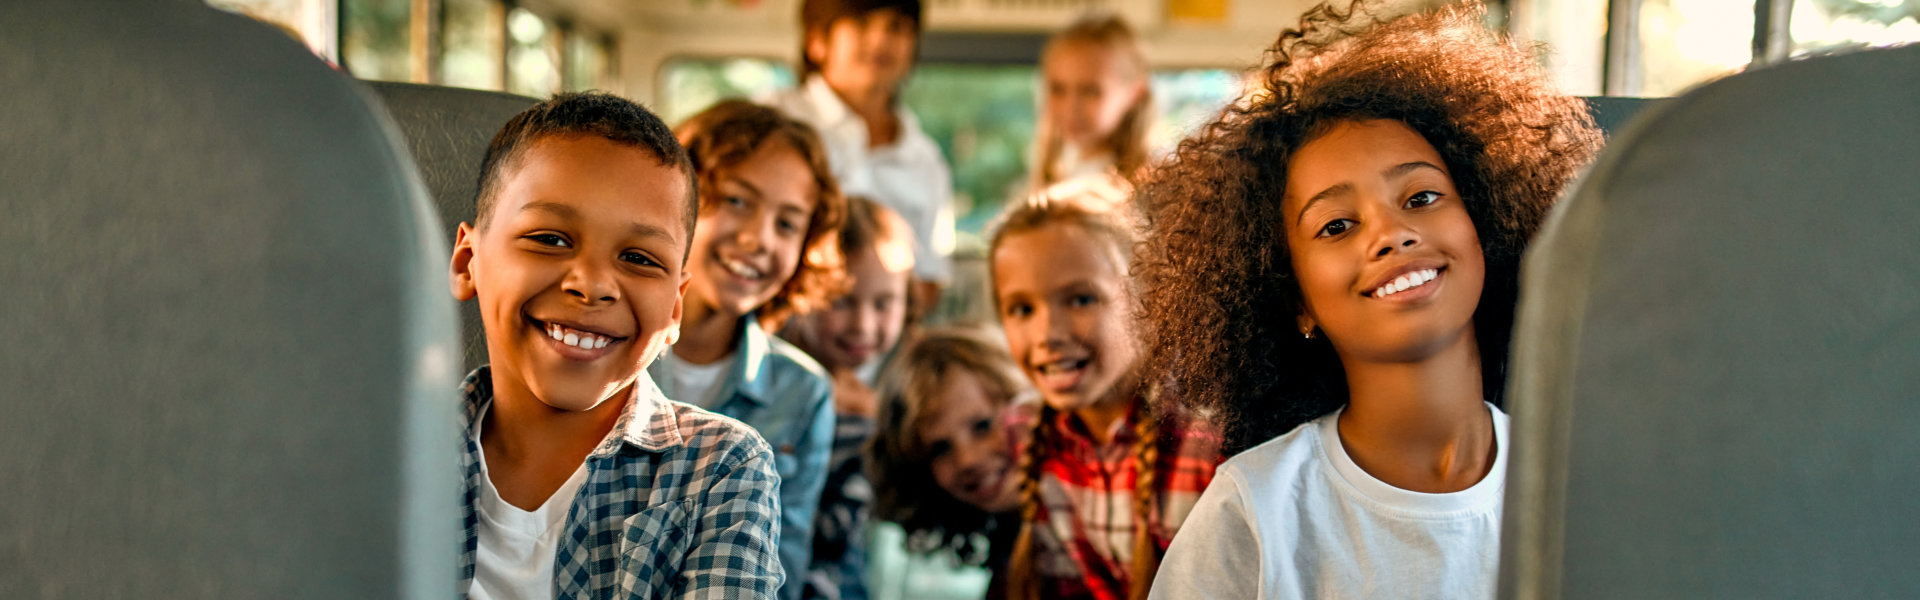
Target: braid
{"points": [[1022, 583], [1146, 453]]}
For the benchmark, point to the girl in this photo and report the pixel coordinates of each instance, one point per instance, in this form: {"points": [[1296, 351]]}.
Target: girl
{"points": [[762, 251], [945, 461], [859, 325], [854, 56], [1336, 260], [1096, 106], [1109, 479]]}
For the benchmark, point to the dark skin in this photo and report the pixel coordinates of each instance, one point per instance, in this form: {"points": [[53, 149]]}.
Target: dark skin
{"points": [[1391, 270]]}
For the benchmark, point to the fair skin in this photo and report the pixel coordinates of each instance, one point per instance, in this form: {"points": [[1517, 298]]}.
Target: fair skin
{"points": [[1391, 269], [858, 326], [1088, 90], [864, 59], [584, 242], [970, 449], [1068, 318], [752, 230]]}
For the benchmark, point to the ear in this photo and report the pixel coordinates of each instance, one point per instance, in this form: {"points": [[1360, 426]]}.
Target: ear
{"points": [[815, 45], [679, 304], [460, 272]]}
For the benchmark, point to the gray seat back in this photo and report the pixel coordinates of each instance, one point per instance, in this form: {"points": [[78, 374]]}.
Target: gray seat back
{"points": [[1612, 113], [229, 354], [1714, 384], [448, 129]]}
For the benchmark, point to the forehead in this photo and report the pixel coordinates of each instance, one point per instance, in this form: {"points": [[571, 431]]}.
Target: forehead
{"points": [[1352, 151], [601, 181], [1077, 59], [959, 397], [1053, 254], [779, 173]]}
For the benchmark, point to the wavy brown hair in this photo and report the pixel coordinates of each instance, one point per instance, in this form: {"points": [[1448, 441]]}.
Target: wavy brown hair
{"points": [[1220, 301], [725, 135]]}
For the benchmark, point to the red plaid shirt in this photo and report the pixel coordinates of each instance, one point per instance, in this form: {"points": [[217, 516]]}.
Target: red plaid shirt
{"points": [[1084, 529]]}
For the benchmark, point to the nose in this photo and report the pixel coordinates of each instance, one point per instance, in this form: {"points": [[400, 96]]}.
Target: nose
{"points": [[590, 282], [1395, 235], [753, 236], [972, 455], [1058, 328]]}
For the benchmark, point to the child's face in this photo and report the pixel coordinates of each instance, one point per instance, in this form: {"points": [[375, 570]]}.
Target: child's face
{"points": [[752, 228], [970, 445], [578, 269], [866, 321], [1088, 92], [873, 51], [1386, 255], [1066, 307]]}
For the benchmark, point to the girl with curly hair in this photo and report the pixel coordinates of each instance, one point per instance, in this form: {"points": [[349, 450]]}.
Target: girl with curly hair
{"points": [[944, 461], [1109, 478], [1335, 262], [763, 249]]}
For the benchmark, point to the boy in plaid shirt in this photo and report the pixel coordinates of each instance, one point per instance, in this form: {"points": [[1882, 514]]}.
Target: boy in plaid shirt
{"points": [[582, 479]]}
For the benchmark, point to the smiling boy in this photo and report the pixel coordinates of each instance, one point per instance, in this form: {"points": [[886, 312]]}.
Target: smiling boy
{"points": [[582, 479]]}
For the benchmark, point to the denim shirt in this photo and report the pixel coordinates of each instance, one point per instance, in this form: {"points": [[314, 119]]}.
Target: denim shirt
{"points": [[678, 503], [787, 397]]}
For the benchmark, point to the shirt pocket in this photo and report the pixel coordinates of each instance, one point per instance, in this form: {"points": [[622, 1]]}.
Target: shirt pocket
{"points": [[655, 544]]}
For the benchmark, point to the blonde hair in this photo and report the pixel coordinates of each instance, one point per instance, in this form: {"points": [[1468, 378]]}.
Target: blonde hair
{"points": [[1128, 142], [1098, 211], [897, 463]]}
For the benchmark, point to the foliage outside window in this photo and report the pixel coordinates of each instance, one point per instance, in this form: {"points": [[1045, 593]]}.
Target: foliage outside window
{"points": [[472, 44], [588, 62], [688, 85], [532, 56], [1820, 26], [375, 38]]}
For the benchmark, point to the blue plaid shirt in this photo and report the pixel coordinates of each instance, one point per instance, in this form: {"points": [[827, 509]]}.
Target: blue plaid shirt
{"points": [[678, 503]]}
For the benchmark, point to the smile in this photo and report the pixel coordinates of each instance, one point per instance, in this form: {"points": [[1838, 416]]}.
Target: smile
{"points": [[584, 340], [1062, 366], [741, 270], [1406, 282]]}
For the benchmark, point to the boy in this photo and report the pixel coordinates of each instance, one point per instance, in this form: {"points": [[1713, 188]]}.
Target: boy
{"points": [[582, 479]]}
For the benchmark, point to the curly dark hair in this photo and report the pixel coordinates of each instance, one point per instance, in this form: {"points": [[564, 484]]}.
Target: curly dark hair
{"points": [[725, 135], [1220, 301]]}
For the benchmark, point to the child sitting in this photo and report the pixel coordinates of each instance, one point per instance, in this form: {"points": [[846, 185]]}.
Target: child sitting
{"points": [[582, 479], [860, 325], [764, 251], [1335, 263]]}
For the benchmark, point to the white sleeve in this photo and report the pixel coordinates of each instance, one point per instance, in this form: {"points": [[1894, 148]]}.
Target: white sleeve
{"points": [[1217, 554]]}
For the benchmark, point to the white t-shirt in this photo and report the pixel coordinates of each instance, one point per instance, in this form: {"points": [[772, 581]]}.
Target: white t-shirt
{"points": [[909, 176], [698, 385], [1310, 523], [517, 548]]}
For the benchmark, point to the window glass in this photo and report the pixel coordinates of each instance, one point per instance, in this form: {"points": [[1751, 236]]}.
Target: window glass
{"points": [[588, 63], [472, 43], [1827, 25], [1688, 42], [375, 38], [1188, 99], [689, 84], [532, 56]]}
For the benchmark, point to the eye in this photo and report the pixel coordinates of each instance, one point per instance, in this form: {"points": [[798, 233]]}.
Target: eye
{"points": [[787, 226], [1423, 199], [638, 259], [732, 200], [1337, 227], [1082, 300], [1019, 309], [982, 426], [550, 239], [939, 449]]}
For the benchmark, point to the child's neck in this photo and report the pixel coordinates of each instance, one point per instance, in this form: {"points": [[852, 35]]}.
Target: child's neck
{"points": [[1420, 426], [875, 108], [1100, 416], [532, 448], [707, 333]]}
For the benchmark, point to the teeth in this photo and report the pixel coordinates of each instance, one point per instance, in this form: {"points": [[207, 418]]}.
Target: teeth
{"points": [[740, 269], [1404, 282], [577, 339]]}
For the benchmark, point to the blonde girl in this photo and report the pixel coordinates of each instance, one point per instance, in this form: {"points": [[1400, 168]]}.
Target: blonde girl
{"points": [[1060, 269], [1096, 104]]}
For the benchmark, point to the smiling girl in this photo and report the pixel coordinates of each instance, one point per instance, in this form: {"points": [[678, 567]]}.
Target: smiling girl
{"points": [[1096, 106], [1335, 263], [763, 249], [1109, 477]]}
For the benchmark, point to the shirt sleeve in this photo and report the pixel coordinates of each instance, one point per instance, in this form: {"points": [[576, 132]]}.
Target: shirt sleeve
{"points": [[1217, 554], [800, 494], [733, 552]]}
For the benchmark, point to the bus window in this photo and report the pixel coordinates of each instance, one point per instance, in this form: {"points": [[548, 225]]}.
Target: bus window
{"points": [[688, 84], [589, 62], [376, 39], [532, 56], [1827, 25], [473, 44]]}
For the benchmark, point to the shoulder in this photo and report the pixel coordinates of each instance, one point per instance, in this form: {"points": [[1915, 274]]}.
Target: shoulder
{"points": [[792, 101], [712, 437], [1280, 467], [791, 369]]}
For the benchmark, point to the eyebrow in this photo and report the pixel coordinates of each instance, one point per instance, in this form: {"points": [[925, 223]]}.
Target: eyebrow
{"points": [[1395, 171], [569, 213], [747, 184]]}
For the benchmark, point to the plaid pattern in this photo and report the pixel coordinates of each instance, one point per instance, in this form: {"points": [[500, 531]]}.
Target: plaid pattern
{"points": [[1085, 526], [678, 503]]}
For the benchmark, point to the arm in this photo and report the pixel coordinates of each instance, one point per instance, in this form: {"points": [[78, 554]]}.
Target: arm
{"points": [[733, 552], [1216, 555], [800, 493]]}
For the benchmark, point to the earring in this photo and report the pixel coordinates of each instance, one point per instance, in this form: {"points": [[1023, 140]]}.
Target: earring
{"points": [[1308, 334], [673, 334]]}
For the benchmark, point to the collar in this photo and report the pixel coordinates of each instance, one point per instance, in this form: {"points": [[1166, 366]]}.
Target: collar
{"points": [[834, 115], [749, 374], [827, 105], [1075, 431], [647, 421]]}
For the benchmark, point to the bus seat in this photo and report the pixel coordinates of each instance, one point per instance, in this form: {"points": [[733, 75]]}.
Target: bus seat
{"points": [[1713, 383], [448, 129], [1612, 112], [230, 359]]}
